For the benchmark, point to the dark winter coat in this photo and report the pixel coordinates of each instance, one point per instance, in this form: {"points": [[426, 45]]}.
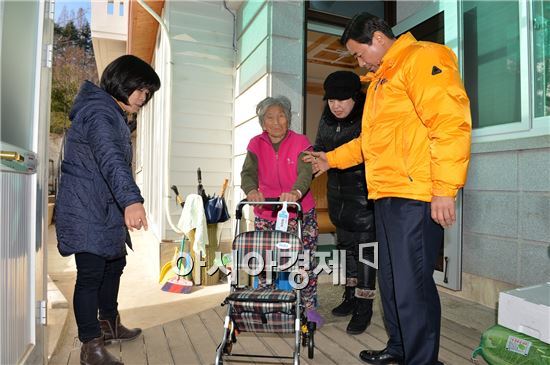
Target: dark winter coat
{"points": [[348, 206], [96, 182]]}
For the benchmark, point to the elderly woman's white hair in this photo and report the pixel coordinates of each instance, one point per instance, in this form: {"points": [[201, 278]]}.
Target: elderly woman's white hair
{"points": [[280, 101]]}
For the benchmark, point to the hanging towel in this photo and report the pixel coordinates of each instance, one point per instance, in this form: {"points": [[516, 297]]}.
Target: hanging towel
{"points": [[192, 217]]}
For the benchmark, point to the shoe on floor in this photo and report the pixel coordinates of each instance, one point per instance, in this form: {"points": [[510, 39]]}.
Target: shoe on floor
{"points": [[382, 357]]}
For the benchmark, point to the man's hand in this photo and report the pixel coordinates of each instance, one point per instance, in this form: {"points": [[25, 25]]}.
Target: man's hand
{"points": [[443, 210], [255, 196], [135, 217], [318, 160]]}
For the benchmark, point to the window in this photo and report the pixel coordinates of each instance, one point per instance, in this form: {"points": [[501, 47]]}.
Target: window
{"points": [[492, 67], [121, 9], [339, 12], [110, 7], [541, 55]]}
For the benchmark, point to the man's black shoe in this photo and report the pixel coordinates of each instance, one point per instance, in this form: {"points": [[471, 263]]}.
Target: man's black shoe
{"points": [[379, 357]]}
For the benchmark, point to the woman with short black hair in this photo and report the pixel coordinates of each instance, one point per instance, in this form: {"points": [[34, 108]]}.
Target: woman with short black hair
{"points": [[98, 200]]}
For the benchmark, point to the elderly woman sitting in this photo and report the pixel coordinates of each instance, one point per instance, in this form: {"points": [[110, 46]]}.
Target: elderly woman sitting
{"points": [[274, 168]]}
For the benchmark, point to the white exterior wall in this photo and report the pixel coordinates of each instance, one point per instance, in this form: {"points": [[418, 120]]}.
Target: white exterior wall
{"points": [[199, 124], [202, 97]]}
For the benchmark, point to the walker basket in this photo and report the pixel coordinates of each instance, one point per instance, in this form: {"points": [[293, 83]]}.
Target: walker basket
{"points": [[268, 310]]}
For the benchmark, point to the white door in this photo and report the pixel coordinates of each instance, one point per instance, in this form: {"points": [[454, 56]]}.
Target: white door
{"points": [[26, 30], [438, 22]]}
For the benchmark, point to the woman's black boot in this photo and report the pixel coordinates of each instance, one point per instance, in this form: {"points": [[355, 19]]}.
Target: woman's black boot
{"points": [[362, 315], [348, 304], [94, 352]]}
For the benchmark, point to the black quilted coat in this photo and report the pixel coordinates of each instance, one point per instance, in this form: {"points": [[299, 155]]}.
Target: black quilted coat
{"points": [[96, 182], [346, 189]]}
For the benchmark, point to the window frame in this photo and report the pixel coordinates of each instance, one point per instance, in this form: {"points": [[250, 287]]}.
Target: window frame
{"points": [[542, 123], [509, 130]]}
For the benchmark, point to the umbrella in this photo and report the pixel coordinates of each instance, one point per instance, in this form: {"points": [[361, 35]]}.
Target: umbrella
{"points": [[200, 188], [179, 199], [215, 207]]}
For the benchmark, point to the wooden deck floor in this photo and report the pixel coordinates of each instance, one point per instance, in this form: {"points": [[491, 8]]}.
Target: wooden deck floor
{"points": [[193, 340]]}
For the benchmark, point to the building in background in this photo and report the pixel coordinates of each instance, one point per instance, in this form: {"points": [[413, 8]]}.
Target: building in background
{"points": [[109, 25]]}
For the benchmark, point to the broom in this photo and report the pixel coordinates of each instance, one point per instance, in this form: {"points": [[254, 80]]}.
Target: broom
{"points": [[179, 284]]}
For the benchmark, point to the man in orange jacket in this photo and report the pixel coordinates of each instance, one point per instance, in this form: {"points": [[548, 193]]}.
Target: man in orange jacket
{"points": [[415, 143]]}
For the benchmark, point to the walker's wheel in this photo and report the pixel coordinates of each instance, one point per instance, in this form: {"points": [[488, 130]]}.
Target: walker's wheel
{"points": [[310, 345], [227, 348], [229, 343]]}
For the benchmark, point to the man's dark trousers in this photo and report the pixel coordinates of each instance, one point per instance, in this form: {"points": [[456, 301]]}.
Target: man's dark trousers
{"points": [[408, 245]]}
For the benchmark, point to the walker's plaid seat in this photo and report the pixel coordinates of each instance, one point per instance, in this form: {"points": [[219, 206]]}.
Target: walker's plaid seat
{"points": [[280, 247], [263, 310]]}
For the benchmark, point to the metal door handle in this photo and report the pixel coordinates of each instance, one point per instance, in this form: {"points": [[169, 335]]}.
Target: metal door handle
{"points": [[11, 156]]}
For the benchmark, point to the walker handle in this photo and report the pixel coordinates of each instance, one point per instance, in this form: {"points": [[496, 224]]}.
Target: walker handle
{"points": [[268, 201]]}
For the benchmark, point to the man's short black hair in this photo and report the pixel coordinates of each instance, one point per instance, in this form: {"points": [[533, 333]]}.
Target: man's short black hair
{"points": [[126, 74], [362, 26]]}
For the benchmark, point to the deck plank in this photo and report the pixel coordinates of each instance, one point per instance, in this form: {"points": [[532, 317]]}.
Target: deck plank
{"points": [[349, 343], [74, 353], [374, 338], [451, 352], [460, 338], [333, 349], [133, 352], [205, 347], [63, 353], [179, 343], [452, 342], [156, 346], [214, 326], [469, 334]]}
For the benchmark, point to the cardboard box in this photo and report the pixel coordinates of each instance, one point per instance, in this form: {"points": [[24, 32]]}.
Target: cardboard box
{"points": [[526, 310]]}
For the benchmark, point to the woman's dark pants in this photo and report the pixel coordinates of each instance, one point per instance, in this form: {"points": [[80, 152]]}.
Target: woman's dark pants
{"points": [[96, 289], [355, 269]]}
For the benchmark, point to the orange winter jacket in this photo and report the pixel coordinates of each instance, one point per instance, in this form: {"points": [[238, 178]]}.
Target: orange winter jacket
{"points": [[416, 128]]}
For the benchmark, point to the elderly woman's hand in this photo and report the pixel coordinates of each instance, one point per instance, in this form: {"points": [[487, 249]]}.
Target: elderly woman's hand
{"points": [[290, 196], [255, 196], [318, 160]]}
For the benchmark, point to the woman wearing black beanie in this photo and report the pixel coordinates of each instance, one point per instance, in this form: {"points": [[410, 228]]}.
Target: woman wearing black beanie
{"points": [[349, 208]]}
